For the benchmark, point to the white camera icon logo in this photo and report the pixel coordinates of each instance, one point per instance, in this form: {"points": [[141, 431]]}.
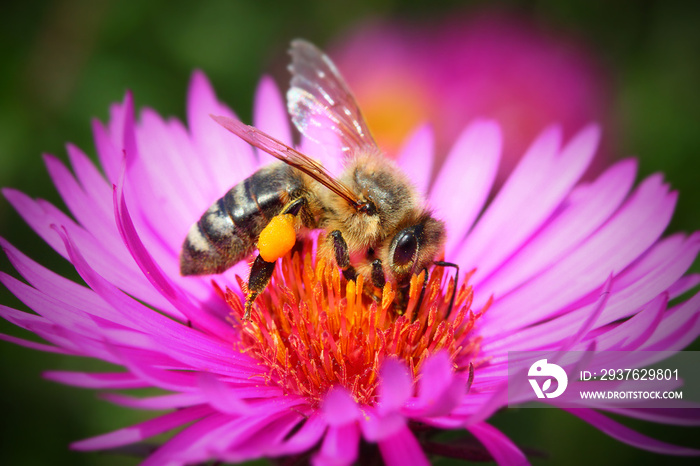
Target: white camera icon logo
{"points": [[542, 368]]}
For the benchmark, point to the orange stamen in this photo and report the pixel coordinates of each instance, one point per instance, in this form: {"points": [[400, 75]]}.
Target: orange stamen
{"points": [[313, 330]]}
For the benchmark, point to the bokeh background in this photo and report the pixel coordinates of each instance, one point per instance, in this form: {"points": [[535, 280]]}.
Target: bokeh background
{"points": [[63, 62]]}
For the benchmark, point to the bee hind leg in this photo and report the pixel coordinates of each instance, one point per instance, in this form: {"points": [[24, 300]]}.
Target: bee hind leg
{"points": [[275, 240], [260, 274]]}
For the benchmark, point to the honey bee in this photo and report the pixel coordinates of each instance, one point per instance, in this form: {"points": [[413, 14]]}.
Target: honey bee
{"points": [[374, 222]]}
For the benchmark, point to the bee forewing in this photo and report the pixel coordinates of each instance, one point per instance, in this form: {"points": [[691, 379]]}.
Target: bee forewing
{"points": [[323, 128], [288, 155], [319, 100]]}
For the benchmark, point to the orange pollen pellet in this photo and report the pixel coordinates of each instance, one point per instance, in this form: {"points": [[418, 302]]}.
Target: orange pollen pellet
{"points": [[277, 238]]}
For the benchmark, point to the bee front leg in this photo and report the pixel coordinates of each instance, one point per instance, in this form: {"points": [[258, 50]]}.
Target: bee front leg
{"points": [[342, 255], [378, 281], [378, 278]]}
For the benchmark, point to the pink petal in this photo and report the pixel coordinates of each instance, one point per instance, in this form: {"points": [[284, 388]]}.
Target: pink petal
{"points": [[683, 285], [501, 447], [402, 449], [586, 325], [66, 309], [270, 116], [109, 140], [127, 135], [60, 288], [645, 279], [235, 438], [534, 191], [181, 341], [54, 311], [629, 436], [261, 440], [34, 215], [378, 426], [142, 431], [610, 249], [109, 157], [679, 416], [440, 389], [117, 267], [340, 446], [227, 158], [339, 408], [587, 208], [465, 179], [308, 435], [396, 386], [91, 179], [196, 314], [76, 341], [164, 211], [177, 381], [107, 380], [632, 333], [34, 345], [188, 441], [483, 409], [171, 401], [220, 396], [652, 274], [416, 157], [527, 178], [679, 328], [92, 215]]}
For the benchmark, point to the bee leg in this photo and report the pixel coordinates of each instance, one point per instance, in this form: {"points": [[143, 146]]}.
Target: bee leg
{"points": [[276, 240], [294, 207], [260, 274], [454, 291], [342, 256], [378, 278], [378, 281]]}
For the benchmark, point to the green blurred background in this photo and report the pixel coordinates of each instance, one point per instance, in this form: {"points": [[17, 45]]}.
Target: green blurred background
{"points": [[63, 62]]}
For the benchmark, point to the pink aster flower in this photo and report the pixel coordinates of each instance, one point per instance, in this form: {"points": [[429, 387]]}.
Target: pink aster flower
{"points": [[487, 64], [552, 263]]}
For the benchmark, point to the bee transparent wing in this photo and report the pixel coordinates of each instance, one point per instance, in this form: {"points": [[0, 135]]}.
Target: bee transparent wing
{"points": [[289, 156], [319, 100]]}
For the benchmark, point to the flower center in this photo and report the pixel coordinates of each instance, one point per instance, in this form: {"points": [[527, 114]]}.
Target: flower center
{"points": [[313, 330]]}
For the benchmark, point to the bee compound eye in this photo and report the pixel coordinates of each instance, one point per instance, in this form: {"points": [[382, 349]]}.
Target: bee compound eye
{"points": [[406, 245]]}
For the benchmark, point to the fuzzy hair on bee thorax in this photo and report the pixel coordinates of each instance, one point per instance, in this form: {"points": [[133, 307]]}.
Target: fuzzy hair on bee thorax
{"points": [[377, 180]]}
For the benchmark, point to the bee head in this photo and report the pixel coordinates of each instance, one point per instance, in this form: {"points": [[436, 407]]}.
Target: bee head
{"points": [[414, 247]]}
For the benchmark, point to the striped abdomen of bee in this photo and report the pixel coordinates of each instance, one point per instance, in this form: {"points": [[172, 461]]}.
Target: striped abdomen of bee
{"points": [[228, 231]]}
